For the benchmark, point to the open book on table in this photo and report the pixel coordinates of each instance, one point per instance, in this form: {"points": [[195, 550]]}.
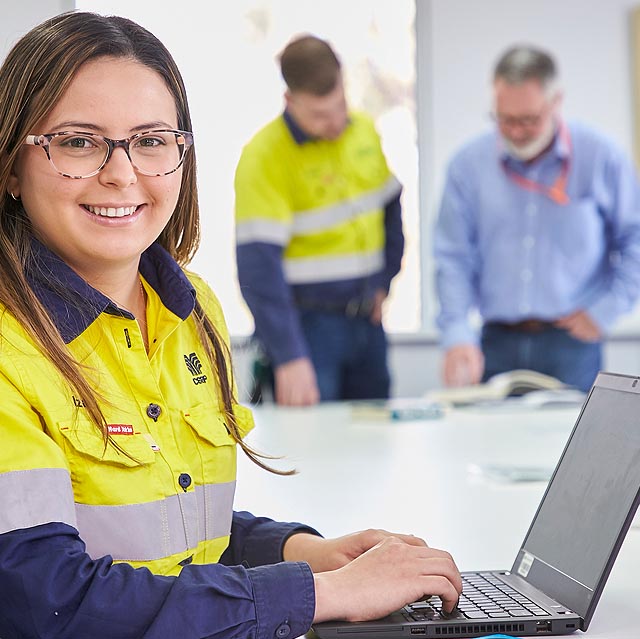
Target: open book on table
{"points": [[510, 384]]}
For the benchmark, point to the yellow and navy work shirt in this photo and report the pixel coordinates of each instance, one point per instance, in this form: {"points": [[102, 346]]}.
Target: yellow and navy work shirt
{"points": [[316, 221], [159, 496]]}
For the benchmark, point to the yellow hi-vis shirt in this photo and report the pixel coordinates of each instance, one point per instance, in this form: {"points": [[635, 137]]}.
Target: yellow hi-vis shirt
{"points": [[322, 201], [168, 500]]}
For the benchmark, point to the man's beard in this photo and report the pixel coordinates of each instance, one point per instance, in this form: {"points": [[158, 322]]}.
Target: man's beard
{"points": [[533, 149]]}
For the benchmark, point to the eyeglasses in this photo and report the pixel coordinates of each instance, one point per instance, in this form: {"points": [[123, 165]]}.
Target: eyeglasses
{"points": [[522, 121], [75, 154]]}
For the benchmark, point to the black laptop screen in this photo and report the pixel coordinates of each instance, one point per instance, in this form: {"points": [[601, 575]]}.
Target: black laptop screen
{"points": [[594, 487]]}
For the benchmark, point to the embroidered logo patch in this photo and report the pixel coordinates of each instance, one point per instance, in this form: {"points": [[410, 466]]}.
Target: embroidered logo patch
{"points": [[120, 429], [194, 366]]}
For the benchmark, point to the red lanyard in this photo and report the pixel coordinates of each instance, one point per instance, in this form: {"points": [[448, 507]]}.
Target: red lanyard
{"points": [[557, 192]]}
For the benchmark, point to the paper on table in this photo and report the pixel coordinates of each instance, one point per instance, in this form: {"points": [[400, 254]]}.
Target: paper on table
{"points": [[511, 473], [397, 409]]}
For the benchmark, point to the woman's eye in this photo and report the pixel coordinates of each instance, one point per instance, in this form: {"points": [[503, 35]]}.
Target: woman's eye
{"points": [[150, 142], [78, 143]]}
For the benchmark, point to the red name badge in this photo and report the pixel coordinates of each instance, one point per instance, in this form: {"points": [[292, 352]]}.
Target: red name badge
{"points": [[120, 429]]}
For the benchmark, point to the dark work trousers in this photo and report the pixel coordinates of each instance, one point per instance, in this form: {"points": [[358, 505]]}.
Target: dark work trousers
{"points": [[349, 355], [551, 351]]}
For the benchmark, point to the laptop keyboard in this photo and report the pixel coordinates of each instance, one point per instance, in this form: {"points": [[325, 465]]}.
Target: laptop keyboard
{"points": [[483, 596]]}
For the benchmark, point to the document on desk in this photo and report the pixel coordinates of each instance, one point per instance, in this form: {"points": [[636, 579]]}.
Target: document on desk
{"points": [[397, 409], [511, 473]]}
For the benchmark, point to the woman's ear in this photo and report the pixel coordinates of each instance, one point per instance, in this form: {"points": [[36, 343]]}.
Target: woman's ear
{"points": [[13, 185]]}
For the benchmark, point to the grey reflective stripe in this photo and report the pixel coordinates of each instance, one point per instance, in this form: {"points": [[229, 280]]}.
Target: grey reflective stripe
{"points": [[269, 231], [325, 269], [34, 497], [157, 529], [316, 220], [217, 520]]}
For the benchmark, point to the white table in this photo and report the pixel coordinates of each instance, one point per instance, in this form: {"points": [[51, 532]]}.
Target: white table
{"points": [[416, 477]]}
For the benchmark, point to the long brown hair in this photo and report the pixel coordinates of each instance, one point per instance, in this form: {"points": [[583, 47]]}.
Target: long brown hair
{"points": [[33, 78]]}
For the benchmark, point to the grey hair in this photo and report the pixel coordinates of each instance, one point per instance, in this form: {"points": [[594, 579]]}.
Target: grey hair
{"points": [[521, 63]]}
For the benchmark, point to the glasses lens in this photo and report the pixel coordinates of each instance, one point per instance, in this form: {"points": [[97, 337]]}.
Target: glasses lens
{"points": [[523, 121], [158, 152], [77, 154]]}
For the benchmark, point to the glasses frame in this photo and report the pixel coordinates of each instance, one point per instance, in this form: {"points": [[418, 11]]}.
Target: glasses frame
{"points": [[44, 140], [530, 121]]}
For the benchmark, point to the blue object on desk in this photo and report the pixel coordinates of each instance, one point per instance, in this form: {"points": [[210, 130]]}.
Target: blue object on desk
{"points": [[397, 409], [407, 411]]}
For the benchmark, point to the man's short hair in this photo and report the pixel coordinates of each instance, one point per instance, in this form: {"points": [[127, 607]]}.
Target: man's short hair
{"points": [[310, 65], [521, 63]]}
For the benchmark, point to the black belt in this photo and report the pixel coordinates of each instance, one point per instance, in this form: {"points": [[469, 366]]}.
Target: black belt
{"points": [[524, 326], [355, 307]]}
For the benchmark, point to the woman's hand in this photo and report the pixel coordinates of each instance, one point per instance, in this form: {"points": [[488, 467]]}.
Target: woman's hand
{"points": [[385, 578], [331, 554]]}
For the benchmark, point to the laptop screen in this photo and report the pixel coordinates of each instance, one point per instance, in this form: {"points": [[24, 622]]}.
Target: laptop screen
{"points": [[589, 499]]}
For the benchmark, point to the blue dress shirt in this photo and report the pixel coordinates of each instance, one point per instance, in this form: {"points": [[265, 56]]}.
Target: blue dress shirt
{"points": [[513, 253]]}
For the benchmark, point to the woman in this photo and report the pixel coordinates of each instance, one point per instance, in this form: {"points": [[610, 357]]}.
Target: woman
{"points": [[118, 418]]}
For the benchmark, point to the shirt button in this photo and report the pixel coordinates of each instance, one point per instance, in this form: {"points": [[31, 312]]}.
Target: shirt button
{"points": [[153, 411], [526, 275], [532, 209], [528, 241], [283, 631], [185, 481]]}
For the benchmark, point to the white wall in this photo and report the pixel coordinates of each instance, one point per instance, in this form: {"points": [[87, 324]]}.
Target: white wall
{"points": [[20, 16]]}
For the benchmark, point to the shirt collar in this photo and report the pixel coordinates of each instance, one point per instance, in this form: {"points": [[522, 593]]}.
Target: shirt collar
{"points": [[74, 305], [561, 147], [294, 128], [296, 131]]}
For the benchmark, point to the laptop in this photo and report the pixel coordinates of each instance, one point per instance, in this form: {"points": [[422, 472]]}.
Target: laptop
{"points": [[560, 571]]}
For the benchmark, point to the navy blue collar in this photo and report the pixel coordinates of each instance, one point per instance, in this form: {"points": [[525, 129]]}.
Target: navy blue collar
{"points": [[74, 305], [296, 131], [294, 128]]}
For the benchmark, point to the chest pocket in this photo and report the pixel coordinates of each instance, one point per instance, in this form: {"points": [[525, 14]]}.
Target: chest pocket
{"points": [[366, 167], [213, 443], [319, 184], [104, 475]]}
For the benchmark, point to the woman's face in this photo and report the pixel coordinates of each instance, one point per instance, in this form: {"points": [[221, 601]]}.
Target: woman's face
{"points": [[114, 97]]}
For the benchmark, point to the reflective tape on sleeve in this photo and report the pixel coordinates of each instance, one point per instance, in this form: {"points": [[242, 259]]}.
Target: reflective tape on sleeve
{"points": [[323, 269], [157, 529], [34, 497], [269, 231]]}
